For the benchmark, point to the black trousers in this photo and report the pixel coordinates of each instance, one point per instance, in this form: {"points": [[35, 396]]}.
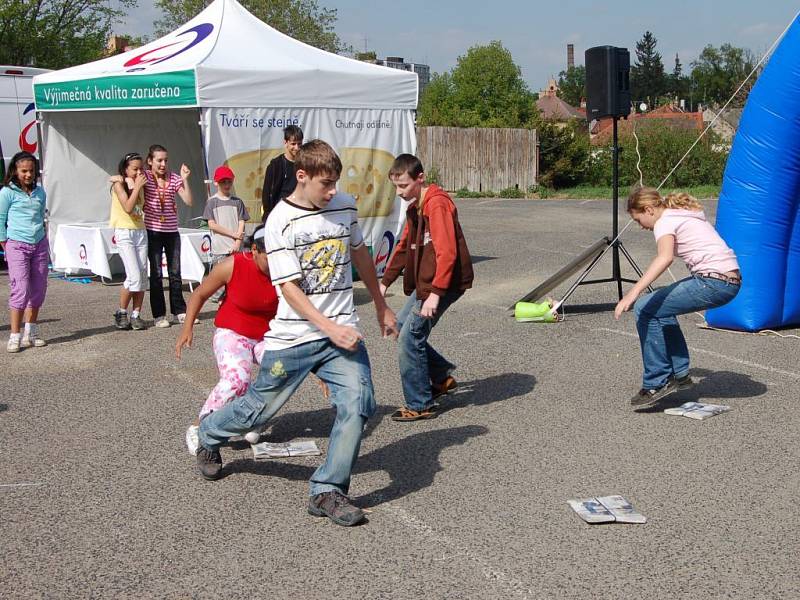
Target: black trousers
{"points": [[170, 244]]}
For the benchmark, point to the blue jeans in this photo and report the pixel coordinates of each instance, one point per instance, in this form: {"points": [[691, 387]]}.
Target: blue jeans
{"points": [[419, 362], [664, 350], [350, 382]]}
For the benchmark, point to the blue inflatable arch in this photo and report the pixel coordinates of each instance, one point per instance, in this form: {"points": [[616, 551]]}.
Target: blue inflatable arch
{"points": [[758, 206]]}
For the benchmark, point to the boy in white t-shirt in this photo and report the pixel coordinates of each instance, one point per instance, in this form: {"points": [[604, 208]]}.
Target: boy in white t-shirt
{"points": [[681, 230], [312, 238]]}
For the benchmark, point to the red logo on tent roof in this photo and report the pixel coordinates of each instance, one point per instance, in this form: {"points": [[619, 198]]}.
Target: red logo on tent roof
{"points": [[156, 55]]}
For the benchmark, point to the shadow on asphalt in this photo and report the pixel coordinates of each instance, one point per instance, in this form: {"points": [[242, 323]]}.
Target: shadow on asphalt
{"points": [[411, 462], [3, 407], [712, 384], [588, 309], [486, 391], [480, 259], [40, 322], [85, 333]]}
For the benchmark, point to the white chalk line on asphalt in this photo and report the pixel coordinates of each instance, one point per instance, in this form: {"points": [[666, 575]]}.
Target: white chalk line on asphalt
{"points": [[15, 485], [493, 201], [190, 381], [714, 354], [490, 572]]}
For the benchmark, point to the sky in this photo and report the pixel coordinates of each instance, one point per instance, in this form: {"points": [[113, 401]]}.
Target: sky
{"points": [[536, 32]]}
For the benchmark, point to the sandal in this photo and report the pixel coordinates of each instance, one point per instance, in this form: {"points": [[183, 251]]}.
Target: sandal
{"points": [[448, 386], [406, 414]]}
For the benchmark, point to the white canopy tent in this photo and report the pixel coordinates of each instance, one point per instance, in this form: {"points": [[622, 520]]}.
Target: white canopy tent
{"points": [[220, 90]]}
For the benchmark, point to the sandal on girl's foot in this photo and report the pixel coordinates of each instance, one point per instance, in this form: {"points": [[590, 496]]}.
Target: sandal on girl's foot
{"points": [[406, 414]]}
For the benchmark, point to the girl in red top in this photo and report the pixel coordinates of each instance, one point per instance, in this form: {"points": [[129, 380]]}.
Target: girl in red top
{"points": [[242, 320]]}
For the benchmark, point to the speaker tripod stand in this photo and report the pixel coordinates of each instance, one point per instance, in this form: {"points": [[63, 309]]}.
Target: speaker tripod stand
{"points": [[613, 243], [592, 255]]}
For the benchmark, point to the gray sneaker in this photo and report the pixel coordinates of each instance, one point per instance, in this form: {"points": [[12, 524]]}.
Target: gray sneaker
{"points": [[209, 463], [647, 398], [684, 382], [337, 507], [137, 323], [121, 320]]}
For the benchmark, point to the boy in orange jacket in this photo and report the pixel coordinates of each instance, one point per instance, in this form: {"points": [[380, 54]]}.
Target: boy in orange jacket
{"points": [[437, 270]]}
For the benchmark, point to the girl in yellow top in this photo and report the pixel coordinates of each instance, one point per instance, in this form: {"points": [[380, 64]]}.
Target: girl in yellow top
{"points": [[127, 219]]}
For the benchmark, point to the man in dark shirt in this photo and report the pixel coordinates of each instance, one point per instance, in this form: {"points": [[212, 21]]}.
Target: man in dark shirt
{"points": [[279, 180]]}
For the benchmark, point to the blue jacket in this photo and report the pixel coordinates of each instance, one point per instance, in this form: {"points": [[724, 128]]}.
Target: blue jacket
{"points": [[22, 215]]}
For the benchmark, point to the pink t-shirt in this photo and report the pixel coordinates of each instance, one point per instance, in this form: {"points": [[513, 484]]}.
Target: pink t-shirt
{"points": [[160, 207], [697, 243]]}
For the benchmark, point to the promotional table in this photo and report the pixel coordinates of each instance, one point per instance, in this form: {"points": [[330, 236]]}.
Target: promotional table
{"points": [[89, 247]]}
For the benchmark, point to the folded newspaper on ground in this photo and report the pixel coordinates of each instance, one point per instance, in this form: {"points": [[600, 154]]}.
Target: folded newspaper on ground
{"points": [[268, 450], [606, 509], [697, 410]]}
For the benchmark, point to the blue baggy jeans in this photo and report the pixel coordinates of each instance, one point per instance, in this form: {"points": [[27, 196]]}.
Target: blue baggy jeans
{"points": [[350, 382], [420, 363], [664, 350]]}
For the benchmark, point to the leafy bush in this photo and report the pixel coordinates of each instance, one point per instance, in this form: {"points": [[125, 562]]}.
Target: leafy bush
{"points": [[661, 147], [564, 152], [432, 175], [465, 193], [512, 192]]}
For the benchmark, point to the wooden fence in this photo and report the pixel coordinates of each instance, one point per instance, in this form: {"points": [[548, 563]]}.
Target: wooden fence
{"points": [[480, 159]]}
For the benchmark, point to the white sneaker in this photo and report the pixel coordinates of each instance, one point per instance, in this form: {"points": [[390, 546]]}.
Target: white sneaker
{"points": [[192, 439], [252, 437], [13, 345], [181, 318], [32, 340], [162, 322]]}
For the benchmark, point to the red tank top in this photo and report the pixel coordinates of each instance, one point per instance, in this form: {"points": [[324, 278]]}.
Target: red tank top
{"points": [[250, 299]]}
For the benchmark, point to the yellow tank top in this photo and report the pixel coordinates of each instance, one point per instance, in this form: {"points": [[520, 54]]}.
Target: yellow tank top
{"points": [[119, 219]]}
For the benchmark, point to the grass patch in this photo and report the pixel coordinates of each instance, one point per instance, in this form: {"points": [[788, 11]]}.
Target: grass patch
{"points": [[584, 192], [581, 192]]}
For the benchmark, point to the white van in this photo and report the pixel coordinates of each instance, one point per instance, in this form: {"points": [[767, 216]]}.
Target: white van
{"points": [[17, 114]]}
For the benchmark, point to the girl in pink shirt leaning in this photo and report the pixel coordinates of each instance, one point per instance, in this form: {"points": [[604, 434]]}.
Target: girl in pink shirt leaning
{"points": [[681, 229]]}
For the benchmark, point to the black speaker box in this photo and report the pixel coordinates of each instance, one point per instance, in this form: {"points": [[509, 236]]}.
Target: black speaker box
{"points": [[608, 87]]}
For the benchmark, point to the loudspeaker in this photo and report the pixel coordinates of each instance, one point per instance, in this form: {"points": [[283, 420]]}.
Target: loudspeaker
{"points": [[608, 83]]}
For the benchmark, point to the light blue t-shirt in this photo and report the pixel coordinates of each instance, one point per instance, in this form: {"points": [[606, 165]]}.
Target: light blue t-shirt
{"points": [[22, 215]]}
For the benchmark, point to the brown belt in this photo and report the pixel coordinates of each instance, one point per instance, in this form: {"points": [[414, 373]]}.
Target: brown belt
{"points": [[732, 279]]}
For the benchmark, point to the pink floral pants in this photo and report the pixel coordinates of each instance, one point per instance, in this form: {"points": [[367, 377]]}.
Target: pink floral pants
{"points": [[235, 356]]}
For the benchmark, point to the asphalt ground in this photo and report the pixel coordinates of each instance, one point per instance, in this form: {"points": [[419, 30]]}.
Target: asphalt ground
{"points": [[99, 497]]}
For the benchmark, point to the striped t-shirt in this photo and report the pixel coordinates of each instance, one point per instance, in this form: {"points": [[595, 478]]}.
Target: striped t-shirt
{"points": [[312, 247], [160, 207]]}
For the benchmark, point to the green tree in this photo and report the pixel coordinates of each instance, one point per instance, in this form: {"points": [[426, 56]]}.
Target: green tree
{"points": [[368, 55], [717, 73], [55, 34], [677, 83], [572, 85], [485, 89], [436, 104], [303, 20], [647, 74]]}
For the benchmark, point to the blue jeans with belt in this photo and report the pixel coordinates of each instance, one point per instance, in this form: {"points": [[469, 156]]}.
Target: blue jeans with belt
{"points": [[664, 350], [420, 363], [349, 380]]}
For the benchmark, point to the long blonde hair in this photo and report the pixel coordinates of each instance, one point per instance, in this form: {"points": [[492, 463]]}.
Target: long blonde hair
{"points": [[642, 197]]}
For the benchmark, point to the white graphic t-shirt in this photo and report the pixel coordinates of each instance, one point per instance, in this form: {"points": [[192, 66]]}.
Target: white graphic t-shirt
{"points": [[312, 247]]}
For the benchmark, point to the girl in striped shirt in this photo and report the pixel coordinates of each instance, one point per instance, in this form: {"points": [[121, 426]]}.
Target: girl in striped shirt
{"points": [[161, 222]]}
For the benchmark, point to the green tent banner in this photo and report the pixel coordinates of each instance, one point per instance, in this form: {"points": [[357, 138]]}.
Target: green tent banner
{"points": [[123, 91]]}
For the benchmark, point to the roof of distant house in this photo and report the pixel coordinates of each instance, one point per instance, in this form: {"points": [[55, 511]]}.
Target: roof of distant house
{"points": [[554, 108]]}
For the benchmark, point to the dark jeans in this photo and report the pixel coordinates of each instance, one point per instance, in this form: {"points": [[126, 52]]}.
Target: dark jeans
{"points": [[420, 363], [170, 244]]}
